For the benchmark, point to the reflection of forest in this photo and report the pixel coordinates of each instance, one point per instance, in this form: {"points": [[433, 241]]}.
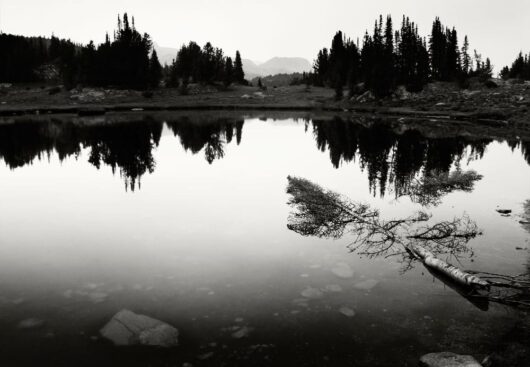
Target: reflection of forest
{"points": [[126, 146], [391, 158]]}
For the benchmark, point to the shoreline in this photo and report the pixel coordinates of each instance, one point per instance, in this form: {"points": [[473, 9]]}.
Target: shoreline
{"points": [[490, 118], [505, 106]]}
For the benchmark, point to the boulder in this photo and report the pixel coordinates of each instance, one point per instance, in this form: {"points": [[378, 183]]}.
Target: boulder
{"points": [[129, 329], [448, 359]]}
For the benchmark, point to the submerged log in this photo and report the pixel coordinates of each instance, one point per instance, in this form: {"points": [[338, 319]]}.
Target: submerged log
{"points": [[450, 271]]}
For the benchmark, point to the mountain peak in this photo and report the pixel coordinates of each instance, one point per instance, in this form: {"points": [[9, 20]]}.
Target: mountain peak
{"points": [[276, 65], [252, 69]]}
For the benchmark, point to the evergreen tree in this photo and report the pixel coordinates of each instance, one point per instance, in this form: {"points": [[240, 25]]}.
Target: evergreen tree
{"points": [[229, 72], [155, 71], [321, 67], [337, 70], [466, 59], [239, 74]]}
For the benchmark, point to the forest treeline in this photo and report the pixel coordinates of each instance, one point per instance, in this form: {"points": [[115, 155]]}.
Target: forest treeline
{"points": [[388, 58], [520, 68], [128, 60]]}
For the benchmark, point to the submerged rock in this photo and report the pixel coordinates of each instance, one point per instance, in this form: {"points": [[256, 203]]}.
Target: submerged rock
{"points": [[366, 285], [242, 332], [448, 359], [312, 293], [127, 328], [333, 288], [342, 270], [346, 311], [30, 324]]}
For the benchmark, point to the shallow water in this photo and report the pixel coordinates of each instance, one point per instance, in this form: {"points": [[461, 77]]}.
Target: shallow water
{"points": [[184, 218]]}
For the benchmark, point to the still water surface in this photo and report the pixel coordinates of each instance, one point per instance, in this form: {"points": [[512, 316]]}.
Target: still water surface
{"points": [[184, 218]]}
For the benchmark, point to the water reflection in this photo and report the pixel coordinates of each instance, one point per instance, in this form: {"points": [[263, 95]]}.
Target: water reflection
{"points": [[395, 160], [208, 135], [324, 213], [125, 146], [391, 157]]}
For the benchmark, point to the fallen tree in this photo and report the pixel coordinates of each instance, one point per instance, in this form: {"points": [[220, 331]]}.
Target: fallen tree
{"points": [[324, 213]]}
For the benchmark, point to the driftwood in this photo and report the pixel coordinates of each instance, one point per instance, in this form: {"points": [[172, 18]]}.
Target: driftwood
{"points": [[458, 276]]}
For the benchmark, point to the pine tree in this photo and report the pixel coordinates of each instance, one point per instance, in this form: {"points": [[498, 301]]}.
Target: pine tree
{"points": [[466, 59], [337, 72], [155, 71], [239, 74], [321, 66], [229, 72]]}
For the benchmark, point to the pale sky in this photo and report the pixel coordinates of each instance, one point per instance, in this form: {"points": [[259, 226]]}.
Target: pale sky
{"points": [[261, 29]]}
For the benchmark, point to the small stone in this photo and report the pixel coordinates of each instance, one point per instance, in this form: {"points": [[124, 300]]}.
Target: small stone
{"points": [[242, 332], [17, 301], [333, 288], [204, 356], [312, 293], [346, 311], [448, 359], [31, 324], [366, 285], [98, 297], [342, 270], [300, 302]]}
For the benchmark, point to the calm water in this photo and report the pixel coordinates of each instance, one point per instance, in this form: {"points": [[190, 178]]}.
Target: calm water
{"points": [[184, 218]]}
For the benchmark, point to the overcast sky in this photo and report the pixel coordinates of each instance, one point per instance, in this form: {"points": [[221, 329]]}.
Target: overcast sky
{"points": [[261, 29]]}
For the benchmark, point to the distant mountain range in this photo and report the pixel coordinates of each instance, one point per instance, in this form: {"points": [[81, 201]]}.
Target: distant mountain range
{"points": [[276, 65], [252, 69]]}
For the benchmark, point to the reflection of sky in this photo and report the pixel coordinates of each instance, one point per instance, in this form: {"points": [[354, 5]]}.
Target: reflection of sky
{"points": [[63, 223]]}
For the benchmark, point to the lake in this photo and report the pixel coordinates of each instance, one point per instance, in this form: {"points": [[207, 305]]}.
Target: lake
{"points": [[183, 217]]}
